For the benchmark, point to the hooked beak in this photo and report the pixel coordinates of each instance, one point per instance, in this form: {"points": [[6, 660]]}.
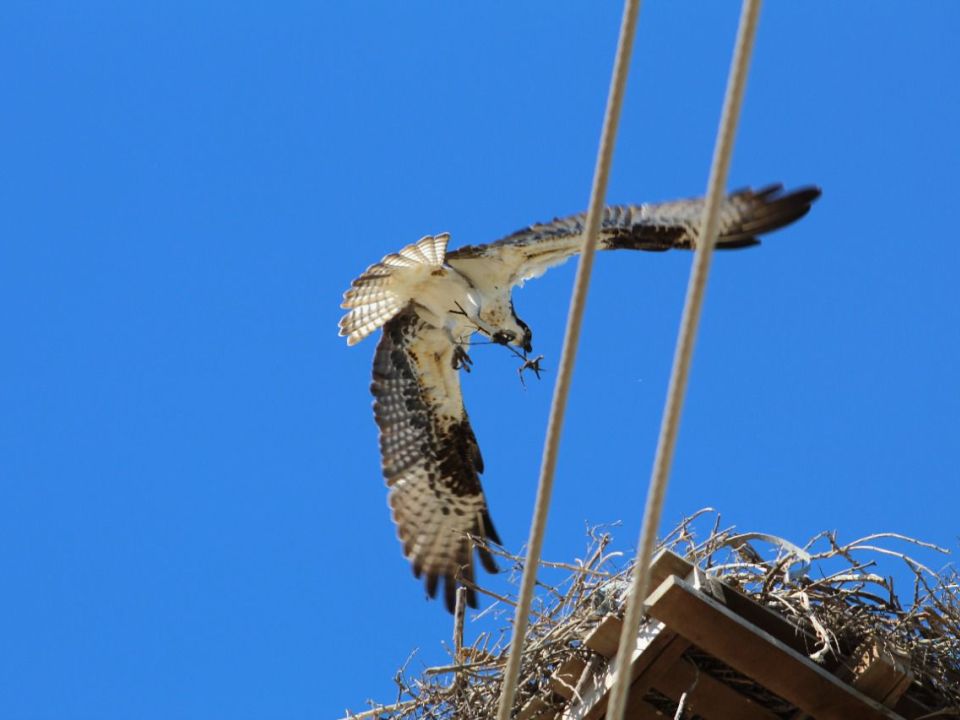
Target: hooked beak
{"points": [[507, 337]]}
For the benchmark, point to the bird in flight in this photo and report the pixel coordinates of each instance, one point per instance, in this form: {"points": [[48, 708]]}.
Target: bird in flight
{"points": [[430, 302]]}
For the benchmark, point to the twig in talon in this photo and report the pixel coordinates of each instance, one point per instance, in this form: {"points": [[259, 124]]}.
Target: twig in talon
{"points": [[529, 364], [460, 359]]}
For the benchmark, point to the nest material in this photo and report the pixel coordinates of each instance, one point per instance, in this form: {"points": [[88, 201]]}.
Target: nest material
{"points": [[829, 589]]}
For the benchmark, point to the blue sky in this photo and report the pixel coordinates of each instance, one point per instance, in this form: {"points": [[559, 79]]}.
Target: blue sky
{"points": [[192, 518]]}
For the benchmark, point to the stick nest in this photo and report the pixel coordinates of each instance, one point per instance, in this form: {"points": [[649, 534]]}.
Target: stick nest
{"points": [[831, 590]]}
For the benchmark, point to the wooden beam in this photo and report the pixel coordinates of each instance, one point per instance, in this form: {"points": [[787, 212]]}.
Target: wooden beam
{"points": [[652, 674], [709, 698], [640, 710], [565, 678], [882, 675], [666, 563], [773, 623], [653, 641], [757, 654], [744, 605], [604, 639], [537, 708]]}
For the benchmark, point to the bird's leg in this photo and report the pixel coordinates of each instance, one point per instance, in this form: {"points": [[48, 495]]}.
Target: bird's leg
{"points": [[460, 359]]}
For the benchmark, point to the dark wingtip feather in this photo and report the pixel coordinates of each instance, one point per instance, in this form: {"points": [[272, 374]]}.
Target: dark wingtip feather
{"points": [[486, 559], [450, 586], [450, 593], [768, 190], [771, 211], [488, 529], [807, 193], [802, 197], [738, 243], [490, 532], [465, 574]]}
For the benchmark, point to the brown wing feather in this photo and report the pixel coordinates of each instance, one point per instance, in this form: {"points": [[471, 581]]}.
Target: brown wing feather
{"points": [[431, 460], [744, 215]]}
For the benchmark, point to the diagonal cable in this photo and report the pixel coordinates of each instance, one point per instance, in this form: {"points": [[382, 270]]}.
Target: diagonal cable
{"points": [[684, 352], [611, 120]]}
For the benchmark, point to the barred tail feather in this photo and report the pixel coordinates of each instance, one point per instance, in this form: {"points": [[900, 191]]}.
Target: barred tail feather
{"points": [[378, 294], [366, 318]]}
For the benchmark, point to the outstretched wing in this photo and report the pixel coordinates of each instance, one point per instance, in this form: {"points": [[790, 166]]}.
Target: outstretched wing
{"points": [[431, 460], [528, 253]]}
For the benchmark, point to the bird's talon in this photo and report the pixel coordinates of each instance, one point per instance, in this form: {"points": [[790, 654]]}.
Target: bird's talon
{"points": [[460, 359]]}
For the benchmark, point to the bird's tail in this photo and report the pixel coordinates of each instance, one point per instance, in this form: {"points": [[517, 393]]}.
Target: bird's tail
{"points": [[377, 296]]}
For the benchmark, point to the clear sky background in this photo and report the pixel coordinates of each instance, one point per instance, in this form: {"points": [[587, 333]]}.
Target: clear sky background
{"points": [[192, 518]]}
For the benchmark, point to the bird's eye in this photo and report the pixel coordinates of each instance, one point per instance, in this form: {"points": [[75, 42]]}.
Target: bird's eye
{"points": [[502, 337]]}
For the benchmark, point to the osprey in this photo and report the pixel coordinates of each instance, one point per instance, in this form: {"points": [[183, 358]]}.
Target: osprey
{"points": [[430, 302]]}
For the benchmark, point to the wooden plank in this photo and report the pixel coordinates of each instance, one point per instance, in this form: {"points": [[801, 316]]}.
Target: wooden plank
{"points": [[668, 563], [652, 641], [772, 623], [709, 698], [537, 708], [757, 654], [604, 639], [640, 710], [565, 678], [652, 674], [882, 675], [911, 708]]}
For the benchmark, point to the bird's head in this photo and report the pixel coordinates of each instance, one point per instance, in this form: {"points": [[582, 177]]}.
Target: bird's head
{"points": [[522, 336]]}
